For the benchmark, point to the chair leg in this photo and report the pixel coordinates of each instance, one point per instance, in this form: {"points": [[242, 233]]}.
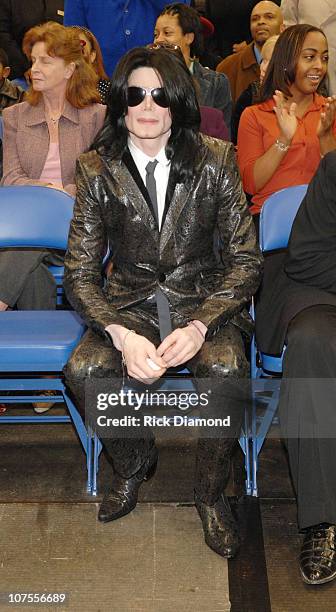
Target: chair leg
{"points": [[259, 432], [244, 442], [86, 439], [89, 466], [97, 448]]}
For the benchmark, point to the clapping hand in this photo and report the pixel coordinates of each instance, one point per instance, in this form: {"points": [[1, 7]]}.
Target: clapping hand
{"points": [[286, 117], [327, 118]]}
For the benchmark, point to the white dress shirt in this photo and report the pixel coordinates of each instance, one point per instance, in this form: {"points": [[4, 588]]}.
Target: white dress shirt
{"points": [[161, 172]]}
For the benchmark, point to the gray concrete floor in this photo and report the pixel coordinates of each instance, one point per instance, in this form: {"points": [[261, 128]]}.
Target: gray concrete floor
{"points": [[153, 560]]}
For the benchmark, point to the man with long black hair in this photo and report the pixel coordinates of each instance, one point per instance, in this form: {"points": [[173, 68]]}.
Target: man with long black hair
{"points": [[157, 191]]}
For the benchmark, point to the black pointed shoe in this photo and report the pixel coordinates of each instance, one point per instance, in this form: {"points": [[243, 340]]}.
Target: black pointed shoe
{"points": [[219, 526], [318, 554], [123, 496]]}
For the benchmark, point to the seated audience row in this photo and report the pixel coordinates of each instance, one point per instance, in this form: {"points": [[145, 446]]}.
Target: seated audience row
{"points": [[280, 143]]}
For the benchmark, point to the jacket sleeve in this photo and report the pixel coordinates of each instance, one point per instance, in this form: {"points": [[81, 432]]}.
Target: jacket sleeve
{"points": [[13, 173], [311, 256], [83, 269], [222, 98], [249, 147], [239, 280]]}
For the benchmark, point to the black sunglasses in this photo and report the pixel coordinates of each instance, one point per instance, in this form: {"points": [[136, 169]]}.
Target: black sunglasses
{"points": [[135, 95]]}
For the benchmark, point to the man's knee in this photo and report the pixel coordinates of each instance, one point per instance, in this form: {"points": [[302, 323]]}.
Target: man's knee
{"points": [[231, 363], [224, 356], [94, 360]]}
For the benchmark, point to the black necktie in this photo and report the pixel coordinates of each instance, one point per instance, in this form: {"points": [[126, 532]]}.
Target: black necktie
{"points": [[161, 300], [151, 187]]}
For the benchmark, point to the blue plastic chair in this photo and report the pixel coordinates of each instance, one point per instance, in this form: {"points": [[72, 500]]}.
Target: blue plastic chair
{"points": [[276, 220], [36, 344]]}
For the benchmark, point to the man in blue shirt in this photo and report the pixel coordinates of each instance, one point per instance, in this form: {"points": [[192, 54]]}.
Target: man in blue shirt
{"points": [[119, 25]]}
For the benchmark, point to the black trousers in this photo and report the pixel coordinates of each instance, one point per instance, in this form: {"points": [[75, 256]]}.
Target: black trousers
{"points": [[222, 358], [308, 412]]}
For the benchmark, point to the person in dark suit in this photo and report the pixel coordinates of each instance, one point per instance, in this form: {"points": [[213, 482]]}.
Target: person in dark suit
{"points": [[297, 308], [16, 18], [158, 192]]}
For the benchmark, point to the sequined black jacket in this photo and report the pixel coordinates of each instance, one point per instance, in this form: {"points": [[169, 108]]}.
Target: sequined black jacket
{"points": [[110, 208]]}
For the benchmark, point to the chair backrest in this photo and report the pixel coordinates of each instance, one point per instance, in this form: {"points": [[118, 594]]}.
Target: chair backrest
{"points": [[277, 216], [33, 216]]}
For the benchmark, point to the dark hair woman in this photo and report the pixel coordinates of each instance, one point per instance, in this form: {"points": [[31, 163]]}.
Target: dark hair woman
{"points": [[281, 139]]}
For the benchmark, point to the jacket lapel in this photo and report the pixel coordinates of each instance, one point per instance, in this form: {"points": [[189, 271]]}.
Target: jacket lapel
{"points": [[172, 210], [129, 180]]}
